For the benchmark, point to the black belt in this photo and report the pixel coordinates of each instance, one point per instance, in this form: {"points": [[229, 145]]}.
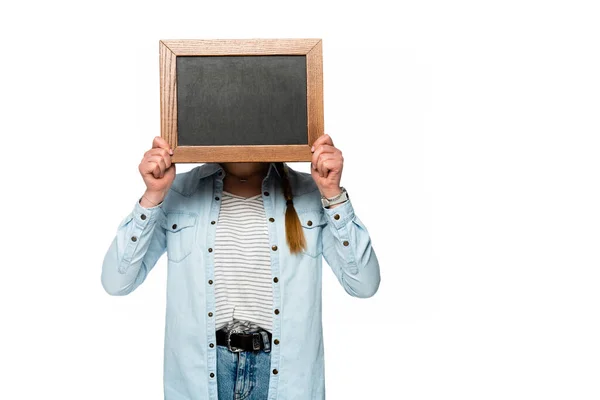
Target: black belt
{"points": [[237, 342]]}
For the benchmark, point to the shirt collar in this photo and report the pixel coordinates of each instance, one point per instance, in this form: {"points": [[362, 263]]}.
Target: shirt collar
{"points": [[186, 184]]}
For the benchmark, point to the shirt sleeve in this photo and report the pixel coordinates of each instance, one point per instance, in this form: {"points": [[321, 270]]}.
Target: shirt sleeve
{"points": [[150, 208], [136, 248], [348, 250]]}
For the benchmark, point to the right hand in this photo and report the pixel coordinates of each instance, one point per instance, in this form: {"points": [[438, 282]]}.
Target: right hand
{"points": [[156, 168]]}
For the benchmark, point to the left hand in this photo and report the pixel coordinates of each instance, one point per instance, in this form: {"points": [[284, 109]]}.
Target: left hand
{"points": [[326, 166]]}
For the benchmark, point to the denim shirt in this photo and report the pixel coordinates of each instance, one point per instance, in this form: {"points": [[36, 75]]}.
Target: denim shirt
{"points": [[184, 227]]}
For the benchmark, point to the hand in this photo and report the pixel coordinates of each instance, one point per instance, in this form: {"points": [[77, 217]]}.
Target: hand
{"points": [[326, 166], [157, 170]]}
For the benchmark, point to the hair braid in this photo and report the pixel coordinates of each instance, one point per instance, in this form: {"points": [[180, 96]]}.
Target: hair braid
{"points": [[293, 229]]}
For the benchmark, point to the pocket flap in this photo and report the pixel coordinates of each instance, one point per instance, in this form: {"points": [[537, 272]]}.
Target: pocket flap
{"points": [[312, 218], [175, 221]]}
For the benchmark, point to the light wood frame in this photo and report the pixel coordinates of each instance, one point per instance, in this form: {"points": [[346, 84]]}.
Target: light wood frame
{"points": [[171, 49]]}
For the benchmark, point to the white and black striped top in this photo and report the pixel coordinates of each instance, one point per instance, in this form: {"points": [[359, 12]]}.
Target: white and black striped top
{"points": [[243, 287]]}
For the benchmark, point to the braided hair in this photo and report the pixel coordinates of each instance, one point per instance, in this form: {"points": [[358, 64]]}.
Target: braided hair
{"points": [[293, 229]]}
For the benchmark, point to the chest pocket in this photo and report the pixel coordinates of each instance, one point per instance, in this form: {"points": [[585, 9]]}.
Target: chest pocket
{"points": [[180, 232], [313, 222]]}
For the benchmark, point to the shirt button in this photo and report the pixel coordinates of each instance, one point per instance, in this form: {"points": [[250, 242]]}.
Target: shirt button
{"points": [[336, 216], [275, 371], [309, 223], [212, 374], [212, 345], [345, 243], [210, 249], [212, 222], [271, 219], [210, 281], [174, 226], [275, 280], [210, 314], [217, 198], [266, 193], [277, 311], [133, 238], [143, 216], [274, 247], [276, 341]]}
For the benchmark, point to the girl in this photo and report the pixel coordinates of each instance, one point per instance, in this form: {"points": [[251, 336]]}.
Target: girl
{"points": [[244, 243]]}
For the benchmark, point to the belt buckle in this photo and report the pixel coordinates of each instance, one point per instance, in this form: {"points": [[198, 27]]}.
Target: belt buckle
{"points": [[256, 339], [229, 346]]}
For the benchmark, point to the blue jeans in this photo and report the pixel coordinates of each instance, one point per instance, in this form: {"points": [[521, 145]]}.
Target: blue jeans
{"points": [[244, 375]]}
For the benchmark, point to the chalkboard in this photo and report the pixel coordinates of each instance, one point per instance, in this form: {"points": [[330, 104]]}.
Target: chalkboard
{"points": [[241, 100]]}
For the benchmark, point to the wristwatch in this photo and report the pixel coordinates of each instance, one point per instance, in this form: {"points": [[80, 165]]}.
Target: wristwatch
{"points": [[340, 198]]}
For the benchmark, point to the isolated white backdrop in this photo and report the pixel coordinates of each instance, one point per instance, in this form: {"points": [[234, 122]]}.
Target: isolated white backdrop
{"points": [[470, 133]]}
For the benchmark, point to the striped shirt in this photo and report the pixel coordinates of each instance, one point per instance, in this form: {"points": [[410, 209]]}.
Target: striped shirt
{"points": [[243, 287]]}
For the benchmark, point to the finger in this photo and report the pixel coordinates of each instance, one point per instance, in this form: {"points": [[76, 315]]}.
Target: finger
{"points": [[319, 163], [159, 142], [160, 162], [165, 155], [324, 148], [336, 161], [332, 164], [325, 138], [155, 169], [147, 167], [163, 165], [336, 165], [160, 152], [150, 167], [322, 167]]}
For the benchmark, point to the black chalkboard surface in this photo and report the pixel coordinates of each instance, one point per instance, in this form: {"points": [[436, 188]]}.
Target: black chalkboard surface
{"points": [[241, 100], [225, 100]]}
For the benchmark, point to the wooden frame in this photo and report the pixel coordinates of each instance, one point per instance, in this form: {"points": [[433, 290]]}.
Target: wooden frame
{"points": [[171, 49]]}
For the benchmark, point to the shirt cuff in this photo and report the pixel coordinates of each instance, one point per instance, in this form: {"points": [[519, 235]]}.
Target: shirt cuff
{"points": [[149, 208], [341, 214], [143, 215]]}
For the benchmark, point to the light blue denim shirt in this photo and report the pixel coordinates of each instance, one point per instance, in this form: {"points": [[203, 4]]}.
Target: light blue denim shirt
{"points": [[184, 226]]}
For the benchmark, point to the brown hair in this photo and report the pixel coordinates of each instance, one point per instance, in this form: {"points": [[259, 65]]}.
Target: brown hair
{"points": [[293, 229]]}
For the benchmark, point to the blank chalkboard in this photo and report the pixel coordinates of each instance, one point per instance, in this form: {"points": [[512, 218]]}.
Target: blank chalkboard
{"points": [[241, 100]]}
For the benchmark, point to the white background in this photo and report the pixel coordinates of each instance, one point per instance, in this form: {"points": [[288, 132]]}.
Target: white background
{"points": [[470, 133]]}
